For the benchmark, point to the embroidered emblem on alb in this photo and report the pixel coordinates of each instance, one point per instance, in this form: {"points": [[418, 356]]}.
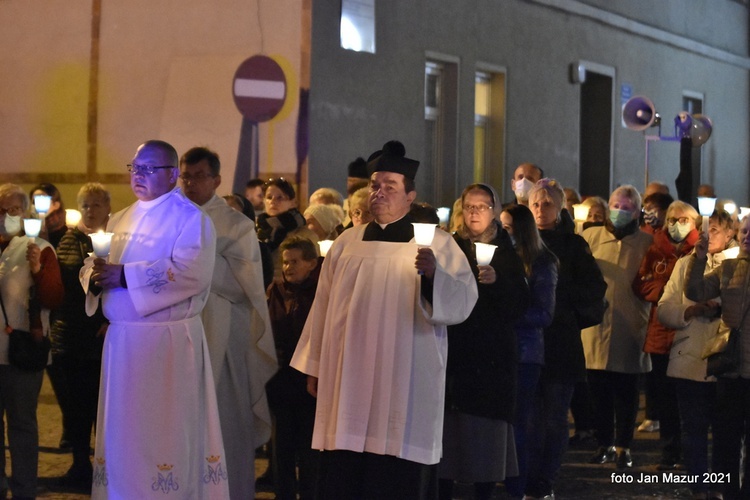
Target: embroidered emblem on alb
{"points": [[100, 472], [214, 470], [165, 481], [155, 280]]}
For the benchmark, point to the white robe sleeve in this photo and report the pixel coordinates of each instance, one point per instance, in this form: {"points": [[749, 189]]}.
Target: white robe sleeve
{"points": [[454, 291], [84, 276], [157, 285]]}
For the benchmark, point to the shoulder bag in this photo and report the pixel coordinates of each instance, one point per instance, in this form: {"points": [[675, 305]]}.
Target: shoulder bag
{"points": [[24, 352]]}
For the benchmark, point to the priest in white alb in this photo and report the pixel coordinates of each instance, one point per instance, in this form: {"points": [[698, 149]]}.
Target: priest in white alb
{"points": [[158, 433], [375, 345], [237, 324]]}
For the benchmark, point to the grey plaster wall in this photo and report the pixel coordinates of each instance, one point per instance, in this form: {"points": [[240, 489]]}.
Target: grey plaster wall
{"points": [[359, 101]]}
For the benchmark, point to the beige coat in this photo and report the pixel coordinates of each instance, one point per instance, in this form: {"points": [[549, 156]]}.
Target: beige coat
{"points": [[617, 343], [685, 359]]}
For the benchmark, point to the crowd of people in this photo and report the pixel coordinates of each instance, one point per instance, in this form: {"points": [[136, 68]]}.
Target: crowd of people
{"points": [[375, 367]]}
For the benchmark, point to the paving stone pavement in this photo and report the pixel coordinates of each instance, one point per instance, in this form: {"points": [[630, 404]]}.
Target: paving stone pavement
{"points": [[578, 480]]}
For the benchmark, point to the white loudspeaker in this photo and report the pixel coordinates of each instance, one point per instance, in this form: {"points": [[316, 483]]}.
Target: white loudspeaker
{"points": [[639, 113], [698, 127]]}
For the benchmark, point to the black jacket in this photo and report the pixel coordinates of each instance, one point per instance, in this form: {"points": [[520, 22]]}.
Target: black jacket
{"points": [[482, 351]]}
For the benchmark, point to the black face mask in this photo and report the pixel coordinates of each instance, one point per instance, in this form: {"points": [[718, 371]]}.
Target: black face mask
{"points": [[587, 225]]}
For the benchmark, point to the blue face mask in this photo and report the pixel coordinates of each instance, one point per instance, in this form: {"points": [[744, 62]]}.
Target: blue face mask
{"points": [[620, 218]]}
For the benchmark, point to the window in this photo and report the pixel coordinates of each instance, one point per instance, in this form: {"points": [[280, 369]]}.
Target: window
{"points": [[358, 25], [439, 182], [489, 127]]}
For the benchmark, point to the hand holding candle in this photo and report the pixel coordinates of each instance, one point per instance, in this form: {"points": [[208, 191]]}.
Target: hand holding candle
{"points": [[484, 253], [423, 235]]}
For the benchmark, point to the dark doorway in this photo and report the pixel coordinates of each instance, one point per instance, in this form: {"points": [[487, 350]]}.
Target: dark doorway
{"points": [[596, 135]]}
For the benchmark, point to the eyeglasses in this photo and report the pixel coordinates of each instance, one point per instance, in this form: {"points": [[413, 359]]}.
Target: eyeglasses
{"points": [[145, 169], [682, 220], [359, 213], [13, 211], [480, 209], [200, 176]]}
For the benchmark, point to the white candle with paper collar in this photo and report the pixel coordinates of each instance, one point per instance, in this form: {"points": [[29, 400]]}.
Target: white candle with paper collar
{"points": [[706, 207], [42, 203], [32, 227], [101, 242], [325, 245], [444, 214], [484, 253], [423, 235]]}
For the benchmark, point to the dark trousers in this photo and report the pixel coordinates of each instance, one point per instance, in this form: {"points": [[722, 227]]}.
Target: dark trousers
{"points": [[351, 475], [19, 393], [81, 395], [697, 404], [582, 408], [528, 383], [615, 398], [665, 399], [732, 418], [293, 414], [548, 433]]}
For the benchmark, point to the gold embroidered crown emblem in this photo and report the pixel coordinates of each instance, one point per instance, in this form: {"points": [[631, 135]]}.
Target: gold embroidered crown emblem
{"points": [[170, 274], [164, 467], [213, 459]]}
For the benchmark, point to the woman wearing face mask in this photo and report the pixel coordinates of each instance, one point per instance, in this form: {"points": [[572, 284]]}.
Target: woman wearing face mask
{"points": [[30, 286], [541, 267], [696, 324], [614, 348], [655, 208], [673, 241]]}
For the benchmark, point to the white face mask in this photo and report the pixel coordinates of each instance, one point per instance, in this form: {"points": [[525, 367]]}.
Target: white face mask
{"points": [[522, 188], [679, 232], [12, 224]]}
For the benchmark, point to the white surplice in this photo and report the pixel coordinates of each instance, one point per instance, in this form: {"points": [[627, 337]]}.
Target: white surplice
{"points": [[158, 433], [240, 342], [379, 348]]}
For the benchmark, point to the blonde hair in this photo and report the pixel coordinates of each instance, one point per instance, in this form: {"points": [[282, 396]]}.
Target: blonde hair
{"points": [[685, 208], [92, 188], [548, 189]]}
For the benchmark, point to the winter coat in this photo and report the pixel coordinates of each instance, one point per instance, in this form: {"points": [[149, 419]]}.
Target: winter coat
{"points": [[541, 311], [482, 352], [579, 282], [685, 357], [73, 332], [649, 283], [731, 282]]}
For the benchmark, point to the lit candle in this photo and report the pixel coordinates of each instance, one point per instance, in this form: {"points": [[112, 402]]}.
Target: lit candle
{"points": [[101, 242], [706, 207], [743, 212], [423, 235], [580, 214], [42, 203], [730, 207], [484, 253], [32, 227], [325, 245], [72, 217], [444, 214]]}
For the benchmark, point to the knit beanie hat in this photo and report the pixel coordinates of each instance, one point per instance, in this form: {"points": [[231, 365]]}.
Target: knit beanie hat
{"points": [[327, 216]]}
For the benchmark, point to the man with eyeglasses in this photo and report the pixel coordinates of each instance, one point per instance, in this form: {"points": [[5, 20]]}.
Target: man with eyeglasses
{"points": [[236, 320], [158, 428], [374, 346]]}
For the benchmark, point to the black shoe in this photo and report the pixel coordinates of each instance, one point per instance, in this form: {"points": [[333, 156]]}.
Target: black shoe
{"points": [[65, 444], [603, 455], [78, 477], [624, 460]]}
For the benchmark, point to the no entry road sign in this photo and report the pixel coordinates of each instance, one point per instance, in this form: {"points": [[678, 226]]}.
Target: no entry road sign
{"points": [[259, 88]]}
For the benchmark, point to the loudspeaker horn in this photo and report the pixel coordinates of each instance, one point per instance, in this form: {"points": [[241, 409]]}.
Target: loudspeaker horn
{"points": [[639, 113], [698, 127]]}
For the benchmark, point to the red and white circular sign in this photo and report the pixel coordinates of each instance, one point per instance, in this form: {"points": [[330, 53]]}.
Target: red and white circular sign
{"points": [[259, 88]]}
